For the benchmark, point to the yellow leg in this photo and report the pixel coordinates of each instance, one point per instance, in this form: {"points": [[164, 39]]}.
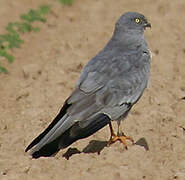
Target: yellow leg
{"points": [[119, 137]]}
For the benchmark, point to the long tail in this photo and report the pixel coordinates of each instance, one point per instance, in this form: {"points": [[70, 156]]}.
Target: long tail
{"points": [[53, 123], [71, 135]]}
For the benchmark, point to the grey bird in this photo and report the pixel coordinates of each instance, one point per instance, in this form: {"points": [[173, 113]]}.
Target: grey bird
{"points": [[109, 85]]}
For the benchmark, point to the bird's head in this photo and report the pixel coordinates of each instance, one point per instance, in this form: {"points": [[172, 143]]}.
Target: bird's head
{"points": [[132, 21]]}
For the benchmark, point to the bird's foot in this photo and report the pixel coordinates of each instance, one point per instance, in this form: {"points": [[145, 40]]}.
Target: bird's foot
{"points": [[120, 137]]}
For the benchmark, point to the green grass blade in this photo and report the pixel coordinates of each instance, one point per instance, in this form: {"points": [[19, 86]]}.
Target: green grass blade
{"points": [[45, 9], [3, 70], [9, 57], [66, 2]]}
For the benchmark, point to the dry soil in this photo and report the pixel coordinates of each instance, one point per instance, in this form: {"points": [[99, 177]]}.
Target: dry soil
{"points": [[43, 75]]}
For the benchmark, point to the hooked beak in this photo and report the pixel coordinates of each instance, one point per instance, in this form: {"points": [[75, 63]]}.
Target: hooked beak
{"points": [[147, 25]]}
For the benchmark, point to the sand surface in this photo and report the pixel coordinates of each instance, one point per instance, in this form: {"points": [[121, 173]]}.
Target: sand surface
{"points": [[43, 75]]}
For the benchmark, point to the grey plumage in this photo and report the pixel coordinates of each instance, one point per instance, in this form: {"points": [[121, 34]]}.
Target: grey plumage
{"points": [[110, 84]]}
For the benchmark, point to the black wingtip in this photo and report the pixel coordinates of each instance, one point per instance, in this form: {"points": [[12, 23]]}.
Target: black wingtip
{"points": [[71, 135], [49, 150], [28, 148], [76, 132], [55, 121]]}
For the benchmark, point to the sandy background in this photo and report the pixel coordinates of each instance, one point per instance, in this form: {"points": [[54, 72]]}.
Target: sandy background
{"points": [[46, 69]]}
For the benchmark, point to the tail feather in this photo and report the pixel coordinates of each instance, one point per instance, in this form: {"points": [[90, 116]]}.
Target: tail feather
{"points": [[55, 121], [48, 150], [71, 135], [76, 132]]}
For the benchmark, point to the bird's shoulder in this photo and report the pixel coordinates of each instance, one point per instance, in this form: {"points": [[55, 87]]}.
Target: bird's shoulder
{"points": [[110, 64]]}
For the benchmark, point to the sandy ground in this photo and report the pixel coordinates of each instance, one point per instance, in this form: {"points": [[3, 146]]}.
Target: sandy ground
{"points": [[46, 69]]}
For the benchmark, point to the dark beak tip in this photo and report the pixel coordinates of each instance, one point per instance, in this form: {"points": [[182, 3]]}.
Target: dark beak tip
{"points": [[148, 25]]}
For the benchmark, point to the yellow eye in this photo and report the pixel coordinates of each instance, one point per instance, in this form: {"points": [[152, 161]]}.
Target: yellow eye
{"points": [[137, 20]]}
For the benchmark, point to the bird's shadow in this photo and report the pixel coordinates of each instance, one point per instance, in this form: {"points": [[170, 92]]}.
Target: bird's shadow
{"points": [[95, 146], [142, 142]]}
